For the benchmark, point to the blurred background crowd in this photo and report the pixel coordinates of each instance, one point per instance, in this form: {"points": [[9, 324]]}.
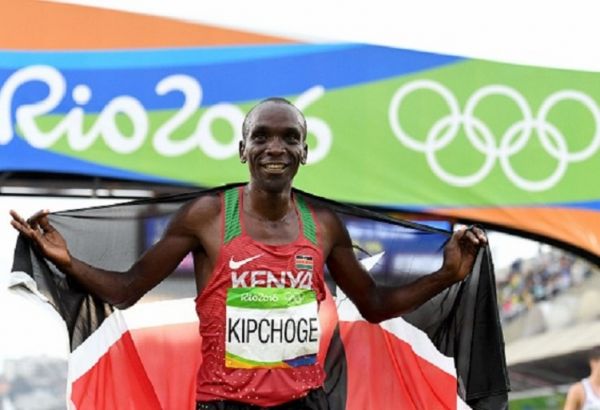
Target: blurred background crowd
{"points": [[540, 278]]}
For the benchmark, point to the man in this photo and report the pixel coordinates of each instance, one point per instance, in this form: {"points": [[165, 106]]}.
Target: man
{"points": [[259, 253], [585, 395]]}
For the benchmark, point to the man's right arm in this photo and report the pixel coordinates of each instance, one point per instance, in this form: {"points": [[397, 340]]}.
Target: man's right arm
{"points": [[121, 289]]}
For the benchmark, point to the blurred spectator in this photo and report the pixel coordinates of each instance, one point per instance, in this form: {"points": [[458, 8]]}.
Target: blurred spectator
{"points": [[536, 279], [585, 395]]}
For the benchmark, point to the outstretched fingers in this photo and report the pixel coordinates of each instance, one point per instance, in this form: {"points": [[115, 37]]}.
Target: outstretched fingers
{"points": [[21, 225], [29, 227]]}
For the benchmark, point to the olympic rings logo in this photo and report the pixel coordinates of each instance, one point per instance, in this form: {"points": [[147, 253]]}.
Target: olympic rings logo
{"points": [[514, 139]]}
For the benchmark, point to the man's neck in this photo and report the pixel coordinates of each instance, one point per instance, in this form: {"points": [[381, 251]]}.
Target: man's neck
{"points": [[268, 205]]}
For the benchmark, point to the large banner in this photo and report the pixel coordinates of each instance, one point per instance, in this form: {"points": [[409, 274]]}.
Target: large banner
{"points": [[153, 99]]}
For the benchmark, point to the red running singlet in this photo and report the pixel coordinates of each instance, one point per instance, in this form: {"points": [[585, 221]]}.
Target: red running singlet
{"points": [[258, 313]]}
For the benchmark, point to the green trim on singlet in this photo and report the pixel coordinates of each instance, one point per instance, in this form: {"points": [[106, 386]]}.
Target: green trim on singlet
{"points": [[308, 223], [233, 228]]}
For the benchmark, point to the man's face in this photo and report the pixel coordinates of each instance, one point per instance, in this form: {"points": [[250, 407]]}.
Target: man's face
{"points": [[274, 146]]}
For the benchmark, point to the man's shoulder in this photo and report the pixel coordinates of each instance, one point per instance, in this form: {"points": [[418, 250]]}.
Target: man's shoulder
{"points": [[329, 221], [321, 209], [200, 209]]}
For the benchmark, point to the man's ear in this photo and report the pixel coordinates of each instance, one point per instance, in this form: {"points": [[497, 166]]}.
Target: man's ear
{"points": [[304, 154], [242, 149]]}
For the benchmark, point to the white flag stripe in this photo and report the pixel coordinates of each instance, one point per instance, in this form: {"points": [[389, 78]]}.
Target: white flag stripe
{"points": [[153, 314], [88, 353], [161, 313], [460, 404]]}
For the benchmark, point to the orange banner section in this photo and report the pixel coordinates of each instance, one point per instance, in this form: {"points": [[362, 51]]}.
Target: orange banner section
{"points": [[576, 227], [37, 25]]}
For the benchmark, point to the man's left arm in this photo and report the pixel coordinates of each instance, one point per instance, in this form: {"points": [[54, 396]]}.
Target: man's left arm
{"points": [[377, 303]]}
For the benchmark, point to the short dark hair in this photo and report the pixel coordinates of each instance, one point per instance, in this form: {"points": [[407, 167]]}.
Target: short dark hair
{"points": [[594, 353], [275, 100]]}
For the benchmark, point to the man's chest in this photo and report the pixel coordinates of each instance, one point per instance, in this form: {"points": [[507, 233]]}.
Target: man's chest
{"points": [[273, 232], [285, 266]]}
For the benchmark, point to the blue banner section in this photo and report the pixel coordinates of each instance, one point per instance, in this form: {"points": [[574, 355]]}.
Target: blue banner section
{"points": [[583, 205], [100, 60], [20, 156], [235, 81]]}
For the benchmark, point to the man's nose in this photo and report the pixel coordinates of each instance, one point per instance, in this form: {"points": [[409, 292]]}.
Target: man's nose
{"points": [[275, 146]]}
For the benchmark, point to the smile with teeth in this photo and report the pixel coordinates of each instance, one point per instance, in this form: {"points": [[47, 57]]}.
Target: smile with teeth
{"points": [[274, 167]]}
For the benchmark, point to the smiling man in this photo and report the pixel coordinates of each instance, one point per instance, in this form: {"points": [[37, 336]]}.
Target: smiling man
{"points": [[259, 255]]}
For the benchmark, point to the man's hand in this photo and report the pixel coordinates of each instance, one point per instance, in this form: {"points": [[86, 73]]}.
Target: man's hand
{"points": [[460, 253], [47, 239]]}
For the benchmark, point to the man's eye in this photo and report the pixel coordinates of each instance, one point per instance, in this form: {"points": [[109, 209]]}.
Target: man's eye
{"points": [[292, 138]]}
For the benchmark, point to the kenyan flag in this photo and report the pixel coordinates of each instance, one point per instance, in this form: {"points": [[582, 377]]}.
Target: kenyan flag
{"points": [[304, 262], [447, 354]]}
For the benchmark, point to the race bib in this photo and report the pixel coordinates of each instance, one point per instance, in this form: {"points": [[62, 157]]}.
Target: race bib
{"points": [[271, 327]]}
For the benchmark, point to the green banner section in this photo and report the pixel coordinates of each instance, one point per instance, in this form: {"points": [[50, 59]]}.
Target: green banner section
{"points": [[473, 133]]}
